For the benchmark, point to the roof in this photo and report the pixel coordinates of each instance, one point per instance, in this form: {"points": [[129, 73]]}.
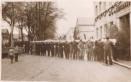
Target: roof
{"points": [[85, 21]]}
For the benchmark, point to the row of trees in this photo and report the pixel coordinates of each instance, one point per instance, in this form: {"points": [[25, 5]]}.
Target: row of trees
{"points": [[38, 18]]}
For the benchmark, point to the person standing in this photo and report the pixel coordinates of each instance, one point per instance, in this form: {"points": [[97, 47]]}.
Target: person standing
{"points": [[30, 48], [57, 49], [96, 51], [71, 50], [48, 48], [11, 54], [108, 51], [75, 54], [52, 49], [16, 53], [43, 49], [115, 50], [86, 49], [101, 53], [60, 50], [81, 47], [90, 50], [67, 50]]}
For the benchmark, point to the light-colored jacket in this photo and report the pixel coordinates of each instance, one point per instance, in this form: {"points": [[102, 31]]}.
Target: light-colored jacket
{"points": [[11, 52], [81, 45], [17, 50]]}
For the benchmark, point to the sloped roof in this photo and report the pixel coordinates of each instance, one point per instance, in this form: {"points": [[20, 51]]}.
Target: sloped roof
{"points": [[85, 21]]}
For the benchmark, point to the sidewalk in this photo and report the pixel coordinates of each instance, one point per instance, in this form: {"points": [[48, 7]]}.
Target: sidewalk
{"points": [[123, 63]]}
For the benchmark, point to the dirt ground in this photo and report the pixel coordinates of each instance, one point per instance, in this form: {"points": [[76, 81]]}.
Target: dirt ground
{"points": [[41, 68]]}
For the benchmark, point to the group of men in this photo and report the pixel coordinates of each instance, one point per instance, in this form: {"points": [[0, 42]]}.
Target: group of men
{"points": [[68, 50], [90, 50]]}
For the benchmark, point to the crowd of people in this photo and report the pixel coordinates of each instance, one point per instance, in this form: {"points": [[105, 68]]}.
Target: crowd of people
{"points": [[76, 50]]}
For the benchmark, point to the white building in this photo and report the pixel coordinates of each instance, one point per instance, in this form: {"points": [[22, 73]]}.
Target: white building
{"points": [[85, 28], [109, 13], [70, 34], [117, 14]]}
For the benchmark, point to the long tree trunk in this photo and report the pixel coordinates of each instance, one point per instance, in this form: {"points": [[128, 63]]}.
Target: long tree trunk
{"points": [[22, 37], [45, 20], [12, 26]]}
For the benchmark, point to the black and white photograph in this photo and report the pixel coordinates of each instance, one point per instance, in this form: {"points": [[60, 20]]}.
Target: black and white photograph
{"points": [[65, 40]]}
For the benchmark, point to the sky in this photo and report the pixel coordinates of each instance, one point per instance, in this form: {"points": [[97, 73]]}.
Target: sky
{"points": [[73, 9]]}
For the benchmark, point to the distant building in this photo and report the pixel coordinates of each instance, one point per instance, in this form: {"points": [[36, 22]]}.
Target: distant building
{"points": [[84, 28]]}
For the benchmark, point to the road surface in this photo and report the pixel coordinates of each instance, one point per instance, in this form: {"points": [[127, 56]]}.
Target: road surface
{"points": [[41, 68]]}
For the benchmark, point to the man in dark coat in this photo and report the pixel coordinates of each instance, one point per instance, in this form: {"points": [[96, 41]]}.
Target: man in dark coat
{"points": [[61, 47], [67, 50], [43, 50], [75, 50], [71, 50], [16, 53], [11, 54], [52, 49], [115, 50], [108, 51], [57, 49], [48, 48]]}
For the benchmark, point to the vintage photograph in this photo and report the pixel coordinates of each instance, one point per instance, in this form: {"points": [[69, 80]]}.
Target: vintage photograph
{"points": [[66, 41]]}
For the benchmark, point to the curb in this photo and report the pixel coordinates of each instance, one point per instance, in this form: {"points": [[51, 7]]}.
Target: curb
{"points": [[121, 64]]}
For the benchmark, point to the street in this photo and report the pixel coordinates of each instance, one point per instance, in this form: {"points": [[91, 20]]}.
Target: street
{"points": [[43, 68]]}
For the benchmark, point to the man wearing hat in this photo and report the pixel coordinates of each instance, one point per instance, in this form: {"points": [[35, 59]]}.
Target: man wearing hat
{"points": [[108, 51]]}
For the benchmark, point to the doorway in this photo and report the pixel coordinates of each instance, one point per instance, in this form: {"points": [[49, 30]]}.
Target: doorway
{"points": [[124, 36]]}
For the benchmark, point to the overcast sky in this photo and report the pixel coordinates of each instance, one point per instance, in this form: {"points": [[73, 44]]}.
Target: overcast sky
{"points": [[73, 9]]}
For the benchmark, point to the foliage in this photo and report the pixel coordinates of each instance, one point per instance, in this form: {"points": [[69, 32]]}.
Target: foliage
{"points": [[38, 18]]}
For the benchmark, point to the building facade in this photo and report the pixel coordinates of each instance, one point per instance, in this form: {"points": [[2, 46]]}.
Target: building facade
{"points": [[84, 28], [109, 13], [111, 18]]}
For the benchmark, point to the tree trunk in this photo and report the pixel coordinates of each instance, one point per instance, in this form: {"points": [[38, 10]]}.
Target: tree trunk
{"points": [[22, 37], [12, 26]]}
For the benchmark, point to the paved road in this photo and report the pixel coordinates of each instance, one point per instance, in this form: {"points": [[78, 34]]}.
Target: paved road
{"points": [[39, 68]]}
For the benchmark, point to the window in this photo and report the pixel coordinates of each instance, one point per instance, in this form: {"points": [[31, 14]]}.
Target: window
{"points": [[99, 6], [97, 32], [105, 30], [101, 32], [96, 10], [104, 5]]}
